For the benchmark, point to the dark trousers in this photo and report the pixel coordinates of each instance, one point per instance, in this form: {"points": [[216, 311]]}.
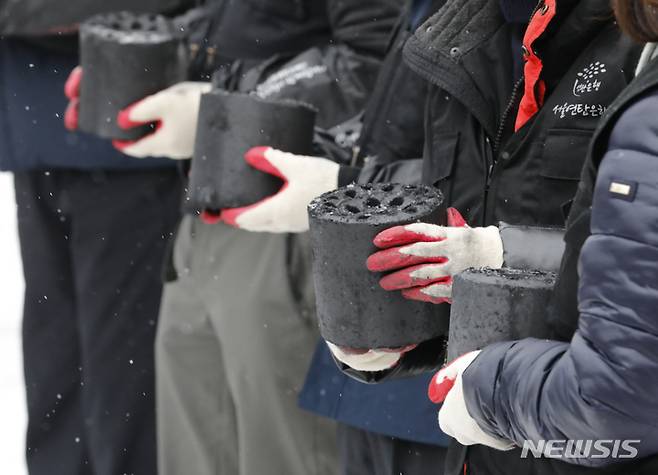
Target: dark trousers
{"points": [[92, 245], [365, 453]]}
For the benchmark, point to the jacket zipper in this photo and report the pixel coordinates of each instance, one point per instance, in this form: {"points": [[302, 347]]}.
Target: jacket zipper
{"points": [[508, 110], [501, 128]]}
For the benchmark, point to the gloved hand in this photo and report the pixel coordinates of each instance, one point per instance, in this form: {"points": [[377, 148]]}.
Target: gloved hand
{"points": [[454, 419], [429, 255], [72, 91], [175, 112], [369, 360], [304, 179]]}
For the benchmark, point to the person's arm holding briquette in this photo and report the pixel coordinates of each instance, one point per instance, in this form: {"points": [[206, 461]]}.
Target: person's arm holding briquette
{"points": [[602, 384]]}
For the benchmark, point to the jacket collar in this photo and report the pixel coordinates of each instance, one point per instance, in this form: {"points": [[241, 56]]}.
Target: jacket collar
{"points": [[458, 27], [649, 53], [461, 27], [437, 48], [577, 23]]}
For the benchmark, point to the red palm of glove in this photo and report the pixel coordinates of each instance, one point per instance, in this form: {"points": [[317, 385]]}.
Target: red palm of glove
{"points": [[407, 279], [444, 380], [256, 158], [72, 113], [72, 92], [126, 123], [447, 388]]}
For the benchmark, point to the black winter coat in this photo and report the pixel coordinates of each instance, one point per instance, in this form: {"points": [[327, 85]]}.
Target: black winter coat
{"points": [[391, 143], [472, 154]]}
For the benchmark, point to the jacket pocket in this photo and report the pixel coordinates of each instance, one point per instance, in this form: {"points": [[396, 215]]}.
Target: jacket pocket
{"points": [[560, 169], [291, 9], [564, 154], [440, 162]]}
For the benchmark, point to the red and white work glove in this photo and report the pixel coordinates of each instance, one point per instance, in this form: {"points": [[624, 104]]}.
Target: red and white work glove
{"points": [[426, 256], [285, 212], [447, 387], [369, 360], [175, 112]]}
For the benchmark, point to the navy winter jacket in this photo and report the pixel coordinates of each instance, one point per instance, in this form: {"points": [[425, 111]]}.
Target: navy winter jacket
{"points": [[603, 384], [32, 104]]}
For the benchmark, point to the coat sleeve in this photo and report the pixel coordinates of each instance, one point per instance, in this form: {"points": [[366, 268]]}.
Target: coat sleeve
{"points": [[602, 385], [336, 77], [393, 134], [546, 250]]}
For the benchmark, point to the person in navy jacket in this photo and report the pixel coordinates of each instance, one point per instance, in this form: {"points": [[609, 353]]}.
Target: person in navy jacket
{"points": [[599, 390]]}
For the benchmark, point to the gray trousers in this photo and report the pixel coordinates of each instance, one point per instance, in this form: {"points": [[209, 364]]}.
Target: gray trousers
{"points": [[235, 339]]}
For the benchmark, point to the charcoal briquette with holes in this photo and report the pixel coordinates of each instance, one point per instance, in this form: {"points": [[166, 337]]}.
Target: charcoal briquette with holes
{"points": [[126, 57], [353, 310], [229, 125], [494, 305]]}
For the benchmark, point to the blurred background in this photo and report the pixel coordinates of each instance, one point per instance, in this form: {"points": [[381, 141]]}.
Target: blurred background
{"points": [[12, 405]]}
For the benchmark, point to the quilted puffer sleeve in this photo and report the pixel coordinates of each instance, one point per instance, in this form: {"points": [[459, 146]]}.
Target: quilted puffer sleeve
{"points": [[603, 384]]}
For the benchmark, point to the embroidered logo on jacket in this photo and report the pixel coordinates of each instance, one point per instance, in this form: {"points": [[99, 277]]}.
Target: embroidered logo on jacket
{"points": [[581, 110], [588, 79]]}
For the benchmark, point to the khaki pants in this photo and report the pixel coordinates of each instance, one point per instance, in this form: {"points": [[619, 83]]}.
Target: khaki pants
{"points": [[235, 340]]}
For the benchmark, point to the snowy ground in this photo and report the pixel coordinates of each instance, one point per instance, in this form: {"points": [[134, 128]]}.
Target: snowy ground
{"points": [[12, 405]]}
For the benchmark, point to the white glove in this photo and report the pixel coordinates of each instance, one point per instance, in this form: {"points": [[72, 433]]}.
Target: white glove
{"points": [[286, 212], [175, 112], [371, 360], [447, 388], [429, 255]]}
